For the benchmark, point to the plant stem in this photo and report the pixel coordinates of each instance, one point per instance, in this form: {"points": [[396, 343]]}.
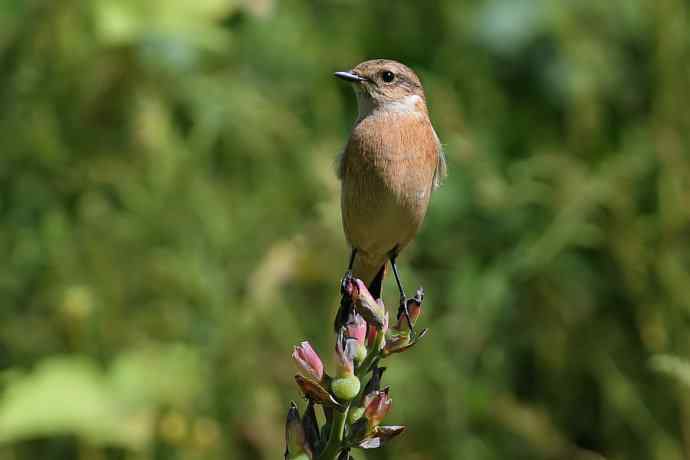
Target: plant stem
{"points": [[371, 357], [337, 433], [364, 368], [335, 437]]}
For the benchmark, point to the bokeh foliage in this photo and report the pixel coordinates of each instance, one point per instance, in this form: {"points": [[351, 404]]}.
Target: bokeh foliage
{"points": [[169, 224]]}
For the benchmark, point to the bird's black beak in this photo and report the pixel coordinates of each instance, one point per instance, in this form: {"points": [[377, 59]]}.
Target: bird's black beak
{"points": [[349, 76]]}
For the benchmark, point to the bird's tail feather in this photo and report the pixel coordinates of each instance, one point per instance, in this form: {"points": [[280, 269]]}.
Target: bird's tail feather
{"points": [[371, 272], [376, 285]]}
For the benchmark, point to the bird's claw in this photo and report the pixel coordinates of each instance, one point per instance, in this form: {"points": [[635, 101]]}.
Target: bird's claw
{"points": [[347, 278], [346, 306]]}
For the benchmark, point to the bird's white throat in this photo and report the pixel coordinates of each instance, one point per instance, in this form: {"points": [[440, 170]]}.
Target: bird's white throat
{"points": [[407, 104], [366, 105]]}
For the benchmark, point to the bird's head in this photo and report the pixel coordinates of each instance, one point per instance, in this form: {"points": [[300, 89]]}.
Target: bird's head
{"points": [[385, 85]]}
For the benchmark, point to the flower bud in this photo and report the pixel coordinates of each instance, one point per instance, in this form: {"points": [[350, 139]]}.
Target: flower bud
{"points": [[377, 406], [376, 337], [399, 341], [380, 436], [346, 388], [295, 440], [360, 353], [308, 362], [396, 340], [356, 328], [344, 356], [365, 304], [414, 309]]}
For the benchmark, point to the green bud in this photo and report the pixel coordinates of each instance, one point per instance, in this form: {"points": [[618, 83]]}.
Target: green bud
{"points": [[294, 434], [345, 388], [360, 353]]}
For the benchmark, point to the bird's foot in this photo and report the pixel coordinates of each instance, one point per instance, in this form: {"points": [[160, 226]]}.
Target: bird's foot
{"points": [[345, 282]]}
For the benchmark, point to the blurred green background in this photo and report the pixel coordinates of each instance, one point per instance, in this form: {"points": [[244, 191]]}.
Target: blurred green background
{"points": [[169, 224]]}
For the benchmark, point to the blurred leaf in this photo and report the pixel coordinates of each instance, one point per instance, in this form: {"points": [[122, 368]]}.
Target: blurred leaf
{"points": [[172, 30], [66, 395], [71, 395], [673, 366]]}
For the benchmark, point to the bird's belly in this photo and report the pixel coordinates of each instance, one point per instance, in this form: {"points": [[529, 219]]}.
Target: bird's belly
{"points": [[379, 217]]}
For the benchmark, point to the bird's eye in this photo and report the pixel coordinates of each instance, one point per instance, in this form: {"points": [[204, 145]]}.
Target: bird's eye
{"points": [[388, 76]]}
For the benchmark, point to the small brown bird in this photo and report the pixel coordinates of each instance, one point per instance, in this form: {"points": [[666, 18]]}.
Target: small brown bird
{"points": [[391, 164]]}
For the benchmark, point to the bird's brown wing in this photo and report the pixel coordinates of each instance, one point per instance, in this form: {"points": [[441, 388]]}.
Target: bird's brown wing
{"points": [[441, 170]]}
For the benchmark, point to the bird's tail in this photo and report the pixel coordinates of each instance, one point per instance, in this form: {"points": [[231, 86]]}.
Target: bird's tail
{"points": [[376, 285], [371, 272]]}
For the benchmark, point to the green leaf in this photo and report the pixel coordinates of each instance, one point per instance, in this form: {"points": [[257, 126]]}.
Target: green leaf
{"points": [[674, 366], [65, 395]]}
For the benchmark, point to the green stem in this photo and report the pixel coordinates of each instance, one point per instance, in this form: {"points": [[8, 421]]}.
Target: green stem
{"points": [[366, 364], [337, 433], [371, 357], [335, 437]]}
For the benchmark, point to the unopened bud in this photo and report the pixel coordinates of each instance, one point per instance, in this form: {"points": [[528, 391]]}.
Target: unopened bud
{"points": [[346, 388], [365, 304], [360, 353], [377, 407], [380, 435], [399, 341], [356, 328], [345, 350], [307, 361], [294, 434]]}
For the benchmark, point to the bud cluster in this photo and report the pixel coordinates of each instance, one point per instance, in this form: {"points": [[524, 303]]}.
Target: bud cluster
{"points": [[352, 412]]}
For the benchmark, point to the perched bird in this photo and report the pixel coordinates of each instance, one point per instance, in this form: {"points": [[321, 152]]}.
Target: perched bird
{"points": [[392, 162]]}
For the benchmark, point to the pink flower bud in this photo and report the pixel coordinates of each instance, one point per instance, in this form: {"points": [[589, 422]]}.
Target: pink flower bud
{"points": [[344, 357], [308, 362], [365, 304], [414, 308], [373, 332], [357, 328], [377, 406]]}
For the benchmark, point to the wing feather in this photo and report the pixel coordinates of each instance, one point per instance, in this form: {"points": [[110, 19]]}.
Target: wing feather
{"points": [[441, 170]]}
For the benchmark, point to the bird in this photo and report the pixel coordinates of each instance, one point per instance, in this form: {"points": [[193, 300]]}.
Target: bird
{"points": [[391, 164]]}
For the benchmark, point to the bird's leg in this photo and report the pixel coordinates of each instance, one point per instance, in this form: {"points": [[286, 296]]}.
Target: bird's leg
{"points": [[345, 301], [402, 310], [348, 273]]}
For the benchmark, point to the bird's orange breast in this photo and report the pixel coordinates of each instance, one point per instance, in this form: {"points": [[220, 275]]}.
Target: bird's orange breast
{"points": [[387, 177]]}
